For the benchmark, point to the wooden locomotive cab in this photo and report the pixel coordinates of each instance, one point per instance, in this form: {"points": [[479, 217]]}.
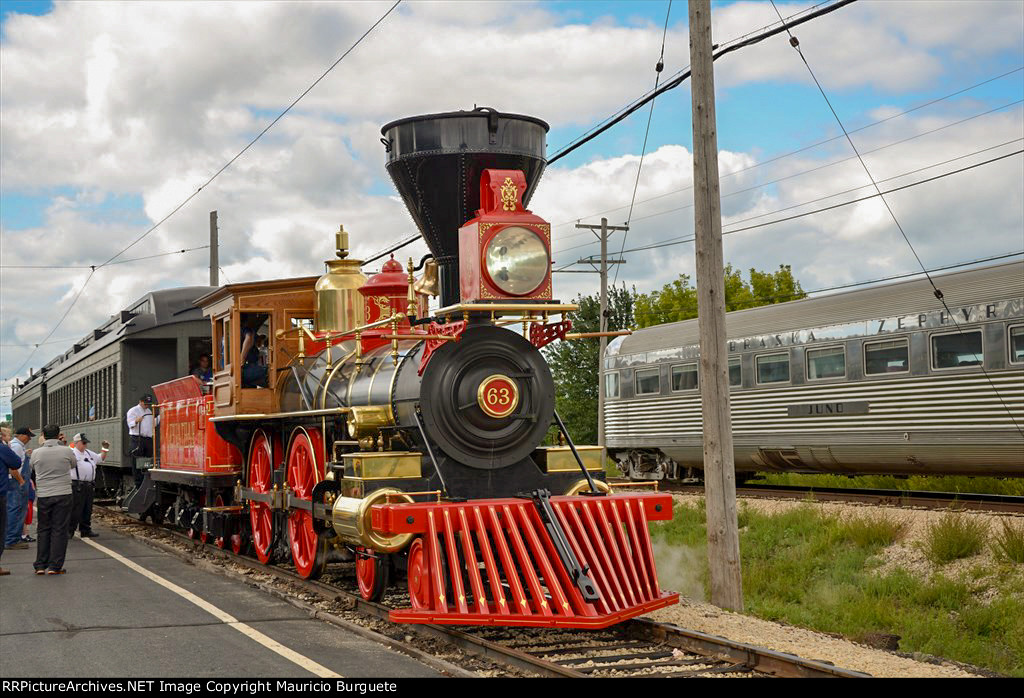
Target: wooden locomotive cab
{"points": [[260, 309]]}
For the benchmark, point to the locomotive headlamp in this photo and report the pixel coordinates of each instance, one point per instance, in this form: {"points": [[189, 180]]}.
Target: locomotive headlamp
{"points": [[516, 260]]}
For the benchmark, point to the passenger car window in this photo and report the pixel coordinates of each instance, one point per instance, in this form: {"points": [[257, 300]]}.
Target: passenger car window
{"points": [[1017, 344], [956, 350], [886, 357], [773, 368], [648, 381], [684, 377], [735, 372], [611, 385], [826, 363]]}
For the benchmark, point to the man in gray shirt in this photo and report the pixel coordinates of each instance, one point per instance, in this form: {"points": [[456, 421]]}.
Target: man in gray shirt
{"points": [[52, 463]]}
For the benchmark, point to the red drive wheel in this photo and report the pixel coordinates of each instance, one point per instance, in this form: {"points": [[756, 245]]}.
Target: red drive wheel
{"points": [[305, 469], [419, 576], [371, 574], [261, 475]]}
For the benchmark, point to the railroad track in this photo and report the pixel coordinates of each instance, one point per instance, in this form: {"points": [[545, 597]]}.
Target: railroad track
{"points": [[639, 647], [902, 498]]}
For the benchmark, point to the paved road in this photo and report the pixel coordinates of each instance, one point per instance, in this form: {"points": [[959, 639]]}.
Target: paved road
{"points": [[162, 617]]}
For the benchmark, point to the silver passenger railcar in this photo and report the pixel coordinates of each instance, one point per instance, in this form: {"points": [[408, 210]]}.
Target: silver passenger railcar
{"points": [[874, 380], [91, 386]]}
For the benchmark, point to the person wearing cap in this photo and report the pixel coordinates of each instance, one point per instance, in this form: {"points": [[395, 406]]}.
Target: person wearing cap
{"points": [[140, 430], [10, 467], [18, 497], [83, 479], [52, 463]]}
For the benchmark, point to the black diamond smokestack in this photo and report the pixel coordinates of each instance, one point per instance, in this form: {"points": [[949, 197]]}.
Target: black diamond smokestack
{"points": [[436, 160]]}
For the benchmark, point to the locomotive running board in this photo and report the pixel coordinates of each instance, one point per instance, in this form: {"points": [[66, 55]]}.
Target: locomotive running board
{"points": [[459, 566]]}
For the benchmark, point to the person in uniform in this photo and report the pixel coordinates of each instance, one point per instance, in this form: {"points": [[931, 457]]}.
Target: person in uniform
{"points": [[83, 479], [52, 463], [141, 424], [18, 497]]}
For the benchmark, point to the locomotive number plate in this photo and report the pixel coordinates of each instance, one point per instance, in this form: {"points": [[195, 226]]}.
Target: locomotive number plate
{"points": [[498, 396]]}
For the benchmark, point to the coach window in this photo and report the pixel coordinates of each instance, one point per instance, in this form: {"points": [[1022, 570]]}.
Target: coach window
{"points": [[773, 368], [826, 363], [892, 356], [684, 377], [648, 381], [611, 384], [735, 372], [956, 350], [1017, 344]]}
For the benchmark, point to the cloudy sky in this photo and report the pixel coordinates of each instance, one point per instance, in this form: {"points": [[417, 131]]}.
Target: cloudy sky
{"points": [[113, 113]]}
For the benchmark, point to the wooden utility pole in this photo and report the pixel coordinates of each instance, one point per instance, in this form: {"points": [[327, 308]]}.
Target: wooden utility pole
{"points": [[719, 467], [214, 251], [603, 271]]}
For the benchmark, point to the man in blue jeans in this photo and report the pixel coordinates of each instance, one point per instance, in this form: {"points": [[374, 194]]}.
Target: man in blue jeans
{"points": [[18, 497], [10, 467]]}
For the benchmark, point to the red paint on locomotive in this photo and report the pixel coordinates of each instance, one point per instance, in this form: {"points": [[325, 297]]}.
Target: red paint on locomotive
{"points": [[187, 439]]}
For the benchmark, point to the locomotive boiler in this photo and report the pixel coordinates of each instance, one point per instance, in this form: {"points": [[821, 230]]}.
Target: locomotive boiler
{"points": [[349, 422]]}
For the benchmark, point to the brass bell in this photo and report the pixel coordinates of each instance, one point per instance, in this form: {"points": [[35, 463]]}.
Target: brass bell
{"points": [[428, 284]]}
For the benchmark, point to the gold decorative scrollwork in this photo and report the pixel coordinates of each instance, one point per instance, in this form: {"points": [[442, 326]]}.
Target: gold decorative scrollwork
{"points": [[508, 195]]}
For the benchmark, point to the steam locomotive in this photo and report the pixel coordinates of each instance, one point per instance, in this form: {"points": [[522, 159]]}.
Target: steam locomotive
{"points": [[348, 422]]}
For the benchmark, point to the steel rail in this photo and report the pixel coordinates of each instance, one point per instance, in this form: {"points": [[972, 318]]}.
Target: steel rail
{"points": [[732, 656], [998, 503]]}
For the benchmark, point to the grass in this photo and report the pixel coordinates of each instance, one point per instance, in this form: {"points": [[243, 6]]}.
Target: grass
{"points": [[953, 537], [1008, 543], [945, 483], [811, 569]]}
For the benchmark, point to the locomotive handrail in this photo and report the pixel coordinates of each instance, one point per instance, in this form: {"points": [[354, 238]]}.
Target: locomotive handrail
{"points": [[556, 308], [282, 415], [591, 335]]}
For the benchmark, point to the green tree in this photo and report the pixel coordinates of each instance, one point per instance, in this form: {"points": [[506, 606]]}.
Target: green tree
{"points": [[574, 363], [677, 300]]}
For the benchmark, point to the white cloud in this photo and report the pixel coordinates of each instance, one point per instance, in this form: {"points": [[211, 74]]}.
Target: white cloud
{"points": [[149, 99]]}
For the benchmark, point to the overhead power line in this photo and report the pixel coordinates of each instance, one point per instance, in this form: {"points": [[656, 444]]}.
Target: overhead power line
{"points": [[689, 238], [938, 293], [809, 146], [676, 82], [214, 176], [741, 42], [97, 266], [802, 172], [659, 66], [781, 298], [679, 241]]}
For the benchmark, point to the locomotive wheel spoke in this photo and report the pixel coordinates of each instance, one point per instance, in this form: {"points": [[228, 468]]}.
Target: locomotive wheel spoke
{"points": [[308, 549], [418, 574], [371, 575], [261, 518]]}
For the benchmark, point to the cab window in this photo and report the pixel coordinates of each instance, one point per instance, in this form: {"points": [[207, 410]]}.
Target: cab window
{"points": [[254, 352]]}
